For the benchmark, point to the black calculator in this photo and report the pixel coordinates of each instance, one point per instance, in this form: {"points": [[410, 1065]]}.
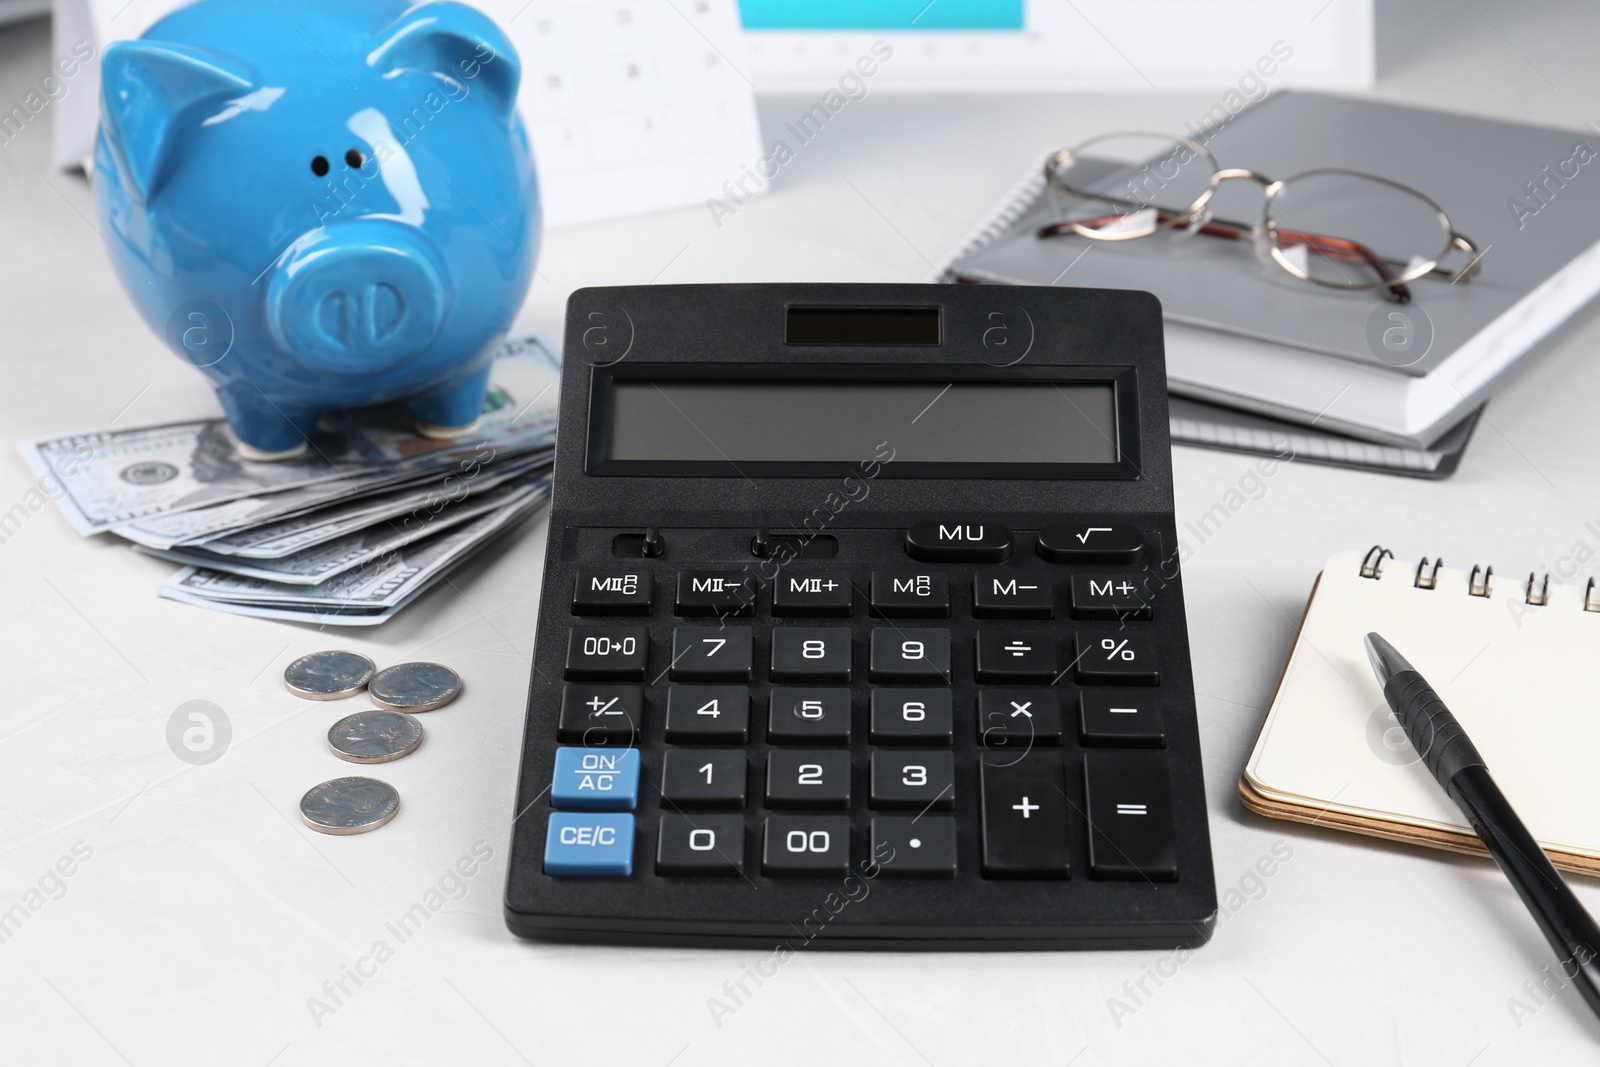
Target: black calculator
{"points": [[862, 627]]}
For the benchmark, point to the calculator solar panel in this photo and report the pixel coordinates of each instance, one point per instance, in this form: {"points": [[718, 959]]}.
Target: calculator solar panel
{"points": [[862, 626]]}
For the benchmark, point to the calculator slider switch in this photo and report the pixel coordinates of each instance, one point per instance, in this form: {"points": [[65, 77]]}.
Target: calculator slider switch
{"points": [[653, 544], [1088, 541]]}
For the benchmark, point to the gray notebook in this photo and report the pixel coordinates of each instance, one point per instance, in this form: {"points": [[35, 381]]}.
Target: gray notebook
{"points": [[1540, 264]]}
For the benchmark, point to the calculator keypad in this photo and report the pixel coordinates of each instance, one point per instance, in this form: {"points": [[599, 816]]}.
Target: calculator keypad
{"points": [[944, 732]]}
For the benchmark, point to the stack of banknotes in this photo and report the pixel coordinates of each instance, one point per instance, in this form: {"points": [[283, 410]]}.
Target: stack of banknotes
{"points": [[348, 533]]}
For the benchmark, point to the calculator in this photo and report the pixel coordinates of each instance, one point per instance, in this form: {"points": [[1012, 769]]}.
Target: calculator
{"points": [[862, 626]]}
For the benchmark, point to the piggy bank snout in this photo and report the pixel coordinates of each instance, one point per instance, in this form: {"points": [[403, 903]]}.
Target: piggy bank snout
{"points": [[358, 302]]}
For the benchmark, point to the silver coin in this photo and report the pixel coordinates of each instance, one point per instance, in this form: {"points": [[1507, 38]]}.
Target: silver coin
{"points": [[414, 687], [349, 805], [375, 736], [328, 675]]}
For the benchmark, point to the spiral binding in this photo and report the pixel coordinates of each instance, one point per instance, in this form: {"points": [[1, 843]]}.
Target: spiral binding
{"points": [[1535, 592]]}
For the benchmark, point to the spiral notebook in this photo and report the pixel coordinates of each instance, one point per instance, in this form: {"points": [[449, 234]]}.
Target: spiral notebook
{"points": [[1241, 333], [1513, 657]]}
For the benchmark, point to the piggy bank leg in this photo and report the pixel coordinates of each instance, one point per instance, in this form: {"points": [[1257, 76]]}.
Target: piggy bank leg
{"points": [[266, 431], [451, 410]]}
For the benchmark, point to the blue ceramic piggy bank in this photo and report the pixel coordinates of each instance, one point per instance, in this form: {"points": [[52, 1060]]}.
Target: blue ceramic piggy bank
{"points": [[322, 204]]}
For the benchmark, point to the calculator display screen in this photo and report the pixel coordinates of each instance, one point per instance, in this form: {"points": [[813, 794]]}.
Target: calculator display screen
{"points": [[1010, 424]]}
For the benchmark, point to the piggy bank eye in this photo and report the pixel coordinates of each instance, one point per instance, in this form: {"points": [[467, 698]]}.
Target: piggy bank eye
{"points": [[319, 165], [354, 159]]}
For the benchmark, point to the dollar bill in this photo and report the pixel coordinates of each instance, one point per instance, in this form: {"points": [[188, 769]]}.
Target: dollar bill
{"points": [[113, 477], [369, 590], [310, 506], [319, 563]]}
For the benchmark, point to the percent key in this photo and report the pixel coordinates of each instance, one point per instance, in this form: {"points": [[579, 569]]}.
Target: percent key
{"points": [[1115, 659]]}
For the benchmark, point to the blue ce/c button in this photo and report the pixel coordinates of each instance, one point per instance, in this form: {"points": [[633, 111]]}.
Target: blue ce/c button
{"points": [[596, 779], [589, 843]]}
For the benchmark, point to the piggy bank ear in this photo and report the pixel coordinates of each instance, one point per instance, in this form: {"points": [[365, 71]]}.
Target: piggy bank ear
{"points": [[150, 92], [456, 41]]}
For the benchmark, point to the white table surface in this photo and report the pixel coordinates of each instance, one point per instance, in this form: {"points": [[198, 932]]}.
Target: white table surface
{"points": [[206, 917]]}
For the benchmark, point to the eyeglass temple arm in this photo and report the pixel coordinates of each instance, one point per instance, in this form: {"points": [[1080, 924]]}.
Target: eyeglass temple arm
{"points": [[1333, 247], [1462, 243]]}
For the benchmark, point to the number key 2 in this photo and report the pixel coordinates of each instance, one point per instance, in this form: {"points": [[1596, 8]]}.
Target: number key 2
{"points": [[808, 779]]}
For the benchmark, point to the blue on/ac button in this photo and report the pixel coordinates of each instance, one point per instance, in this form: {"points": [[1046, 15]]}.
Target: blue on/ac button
{"points": [[596, 779], [589, 843]]}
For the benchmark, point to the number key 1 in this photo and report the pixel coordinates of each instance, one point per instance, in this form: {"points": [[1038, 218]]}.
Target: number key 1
{"points": [[704, 778]]}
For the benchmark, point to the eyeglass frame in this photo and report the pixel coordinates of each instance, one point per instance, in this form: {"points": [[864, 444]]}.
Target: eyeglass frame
{"points": [[1267, 233]]}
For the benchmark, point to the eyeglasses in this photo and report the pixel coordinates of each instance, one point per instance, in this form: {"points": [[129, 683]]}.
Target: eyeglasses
{"points": [[1337, 228]]}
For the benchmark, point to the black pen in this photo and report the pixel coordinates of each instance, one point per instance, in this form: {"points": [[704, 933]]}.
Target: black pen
{"points": [[1456, 765]]}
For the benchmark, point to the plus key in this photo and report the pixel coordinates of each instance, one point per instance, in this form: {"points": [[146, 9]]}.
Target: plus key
{"points": [[1025, 819]]}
